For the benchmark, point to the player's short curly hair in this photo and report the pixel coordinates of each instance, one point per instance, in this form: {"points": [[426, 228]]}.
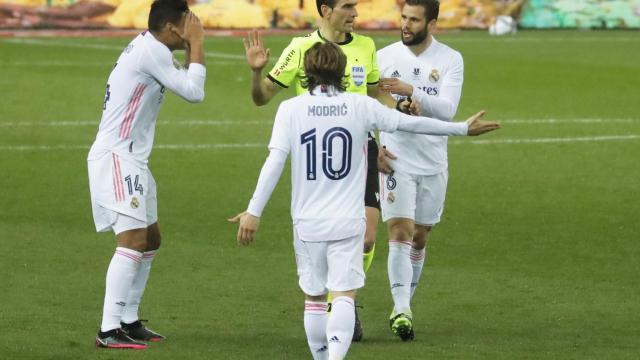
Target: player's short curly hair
{"points": [[431, 7], [324, 64], [166, 11]]}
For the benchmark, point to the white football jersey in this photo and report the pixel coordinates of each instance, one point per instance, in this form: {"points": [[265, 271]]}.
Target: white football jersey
{"points": [[436, 76], [327, 139], [135, 91]]}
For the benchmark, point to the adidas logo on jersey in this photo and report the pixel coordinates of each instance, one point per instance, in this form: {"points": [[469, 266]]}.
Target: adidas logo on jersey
{"points": [[395, 74]]}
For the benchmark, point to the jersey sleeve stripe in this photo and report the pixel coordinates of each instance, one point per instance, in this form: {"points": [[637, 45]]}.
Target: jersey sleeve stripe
{"points": [[276, 81]]}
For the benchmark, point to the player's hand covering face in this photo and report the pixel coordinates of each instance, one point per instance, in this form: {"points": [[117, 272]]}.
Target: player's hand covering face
{"points": [[477, 126], [257, 56], [248, 227], [191, 30]]}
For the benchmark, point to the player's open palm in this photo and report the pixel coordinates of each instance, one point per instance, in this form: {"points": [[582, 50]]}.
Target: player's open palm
{"points": [[257, 55], [478, 127], [248, 227]]}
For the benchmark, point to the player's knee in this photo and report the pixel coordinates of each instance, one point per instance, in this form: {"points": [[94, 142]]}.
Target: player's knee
{"points": [[133, 239], [153, 241], [400, 231], [421, 236]]}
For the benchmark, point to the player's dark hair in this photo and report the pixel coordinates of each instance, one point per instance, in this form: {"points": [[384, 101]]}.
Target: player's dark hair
{"points": [[431, 7], [166, 11], [329, 3], [324, 64]]}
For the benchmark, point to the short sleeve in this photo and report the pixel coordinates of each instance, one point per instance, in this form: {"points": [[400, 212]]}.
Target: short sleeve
{"points": [[373, 77], [288, 65]]}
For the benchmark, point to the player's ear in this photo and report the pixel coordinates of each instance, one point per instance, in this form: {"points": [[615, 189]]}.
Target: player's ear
{"points": [[173, 28], [326, 10]]}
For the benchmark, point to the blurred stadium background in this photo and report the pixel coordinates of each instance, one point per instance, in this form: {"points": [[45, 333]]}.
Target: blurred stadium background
{"points": [[374, 14]]}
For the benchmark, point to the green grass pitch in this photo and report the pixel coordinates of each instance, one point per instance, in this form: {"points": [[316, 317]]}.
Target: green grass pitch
{"points": [[537, 256]]}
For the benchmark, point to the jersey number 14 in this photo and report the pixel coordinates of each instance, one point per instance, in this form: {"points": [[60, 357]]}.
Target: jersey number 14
{"points": [[334, 137]]}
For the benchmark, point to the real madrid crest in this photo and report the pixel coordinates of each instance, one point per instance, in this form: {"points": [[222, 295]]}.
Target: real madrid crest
{"points": [[391, 198], [134, 202], [434, 76]]}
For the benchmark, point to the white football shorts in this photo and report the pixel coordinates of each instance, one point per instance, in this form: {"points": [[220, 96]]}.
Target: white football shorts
{"points": [[329, 265], [123, 195], [416, 197]]}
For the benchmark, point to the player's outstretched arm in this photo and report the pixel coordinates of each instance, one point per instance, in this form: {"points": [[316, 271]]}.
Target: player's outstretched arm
{"points": [[247, 228], [262, 89], [424, 125]]}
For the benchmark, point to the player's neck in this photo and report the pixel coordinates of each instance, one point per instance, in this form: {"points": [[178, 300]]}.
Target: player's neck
{"points": [[330, 34], [420, 48], [162, 37]]}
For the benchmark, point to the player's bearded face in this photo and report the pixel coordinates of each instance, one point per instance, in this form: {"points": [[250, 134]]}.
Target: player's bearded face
{"points": [[410, 38]]}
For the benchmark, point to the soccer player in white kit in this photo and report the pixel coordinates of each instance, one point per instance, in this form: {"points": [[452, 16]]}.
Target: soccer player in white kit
{"points": [[412, 195], [123, 191], [325, 131]]}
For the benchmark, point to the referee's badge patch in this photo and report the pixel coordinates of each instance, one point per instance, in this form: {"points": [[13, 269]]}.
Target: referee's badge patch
{"points": [[134, 203], [434, 76], [358, 75]]}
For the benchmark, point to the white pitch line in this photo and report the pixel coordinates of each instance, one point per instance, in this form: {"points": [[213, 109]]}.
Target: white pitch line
{"points": [[161, 122], [264, 146], [67, 123], [212, 54]]}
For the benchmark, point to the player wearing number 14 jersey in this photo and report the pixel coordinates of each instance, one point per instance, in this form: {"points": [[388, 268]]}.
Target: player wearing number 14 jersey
{"points": [[123, 191], [325, 131]]}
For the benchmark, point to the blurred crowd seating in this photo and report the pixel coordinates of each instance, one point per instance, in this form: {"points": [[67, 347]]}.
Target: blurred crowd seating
{"points": [[373, 14]]}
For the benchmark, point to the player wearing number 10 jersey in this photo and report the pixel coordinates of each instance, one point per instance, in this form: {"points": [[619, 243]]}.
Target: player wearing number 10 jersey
{"points": [[325, 131]]}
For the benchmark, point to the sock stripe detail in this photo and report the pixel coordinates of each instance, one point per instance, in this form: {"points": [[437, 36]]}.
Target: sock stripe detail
{"points": [[310, 306], [408, 243], [129, 256]]}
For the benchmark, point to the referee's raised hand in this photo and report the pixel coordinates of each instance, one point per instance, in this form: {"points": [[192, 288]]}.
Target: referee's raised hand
{"points": [[257, 56]]}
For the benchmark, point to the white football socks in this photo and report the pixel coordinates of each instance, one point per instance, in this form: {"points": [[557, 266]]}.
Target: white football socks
{"points": [[340, 326], [315, 325], [130, 313], [417, 263], [400, 274], [122, 270]]}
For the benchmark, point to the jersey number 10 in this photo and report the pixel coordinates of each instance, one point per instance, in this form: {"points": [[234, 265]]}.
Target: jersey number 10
{"points": [[332, 135]]}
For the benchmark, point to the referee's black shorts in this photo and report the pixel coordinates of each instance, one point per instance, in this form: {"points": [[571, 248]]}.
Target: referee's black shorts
{"points": [[372, 190]]}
